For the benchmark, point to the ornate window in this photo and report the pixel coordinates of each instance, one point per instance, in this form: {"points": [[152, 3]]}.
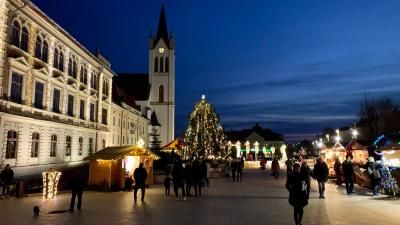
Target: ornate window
{"points": [[16, 88], [38, 48], [12, 144], [83, 74], [39, 88], [24, 39], [104, 116], [35, 145], [70, 108], [53, 145], [161, 93], [82, 110], [20, 36], [92, 113], [61, 62], [155, 64], [104, 144], [45, 52], [72, 67], [80, 146], [16, 32], [166, 64], [161, 64], [94, 81], [56, 100], [56, 58], [68, 144]]}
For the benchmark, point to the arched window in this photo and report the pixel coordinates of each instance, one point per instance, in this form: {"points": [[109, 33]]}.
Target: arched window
{"points": [[61, 62], [24, 39], [94, 81], [83, 74], [166, 64], [35, 145], [155, 64], [38, 48], [161, 64], [53, 145], [161, 93], [56, 58], [45, 52], [74, 68], [104, 144], [80, 146], [16, 31], [12, 144], [90, 146], [68, 144]]}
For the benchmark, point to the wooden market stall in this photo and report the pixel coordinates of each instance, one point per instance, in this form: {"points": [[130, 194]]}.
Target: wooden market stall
{"points": [[111, 165], [358, 151], [331, 153]]}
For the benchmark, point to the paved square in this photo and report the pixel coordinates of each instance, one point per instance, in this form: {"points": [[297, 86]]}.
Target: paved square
{"points": [[257, 200]]}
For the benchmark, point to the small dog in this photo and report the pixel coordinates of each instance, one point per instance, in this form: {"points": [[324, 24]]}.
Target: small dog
{"points": [[36, 210]]}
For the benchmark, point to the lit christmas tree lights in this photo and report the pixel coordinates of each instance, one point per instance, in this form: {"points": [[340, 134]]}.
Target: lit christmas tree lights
{"points": [[204, 137]]}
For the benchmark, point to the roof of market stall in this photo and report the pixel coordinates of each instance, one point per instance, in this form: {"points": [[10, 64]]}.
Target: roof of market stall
{"points": [[118, 152]]}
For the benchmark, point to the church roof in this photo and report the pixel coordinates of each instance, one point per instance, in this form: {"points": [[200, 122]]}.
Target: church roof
{"points": [[242, 135], [154, 120], [135, 85], [162, 30]]}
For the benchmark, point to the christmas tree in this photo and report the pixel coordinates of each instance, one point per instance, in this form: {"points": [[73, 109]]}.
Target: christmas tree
{"points": [[204, 137], [388, 182], [155, 141]]}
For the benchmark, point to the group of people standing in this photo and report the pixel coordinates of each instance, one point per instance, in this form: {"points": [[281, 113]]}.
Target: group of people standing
{"points": [[237, 169], [186, 175]]}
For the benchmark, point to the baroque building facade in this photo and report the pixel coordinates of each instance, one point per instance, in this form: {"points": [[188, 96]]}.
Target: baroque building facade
{"points": [[56, 103]]}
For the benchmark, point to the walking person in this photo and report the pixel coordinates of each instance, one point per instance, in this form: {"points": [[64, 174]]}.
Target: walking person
{"points": [[321, 172], [234, 169], [306, 173], [7, 176], [348, 172], [77, 185], [275, 168], [188, 177], [178, 176], [140, 175], [205, 171], [198, 175], [296, 185], [375, 175], [337, 168], [240, 170]]}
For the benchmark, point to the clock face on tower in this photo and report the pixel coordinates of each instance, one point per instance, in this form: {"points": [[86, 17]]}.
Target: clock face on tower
{"points": [[161, 50]]}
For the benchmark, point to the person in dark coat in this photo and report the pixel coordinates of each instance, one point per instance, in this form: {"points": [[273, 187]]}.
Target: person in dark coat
{"points": [[348, 172], [321, 172], [234, 169], [140, 175], [296, 185], [375, 175], [7, 176], [275, 168], [240, 170], [77, 185], [306, 173], [289, 166], [167, 184], [198, 176], [337, 168], [178, 176], [204, 172], [188, 177]]}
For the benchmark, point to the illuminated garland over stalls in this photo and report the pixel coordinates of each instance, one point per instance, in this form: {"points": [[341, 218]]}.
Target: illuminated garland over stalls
{"points": [[204, 137]]}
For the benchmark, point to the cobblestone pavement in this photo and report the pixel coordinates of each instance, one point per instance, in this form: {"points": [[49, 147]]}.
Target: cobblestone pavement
{"points": [[257, 200]]}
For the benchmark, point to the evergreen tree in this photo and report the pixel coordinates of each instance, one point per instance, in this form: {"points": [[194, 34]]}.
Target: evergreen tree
{"points": [[205, 136], [155, 141]]}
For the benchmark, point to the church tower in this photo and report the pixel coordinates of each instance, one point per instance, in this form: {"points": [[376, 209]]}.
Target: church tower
{"points": [[162, 78]]}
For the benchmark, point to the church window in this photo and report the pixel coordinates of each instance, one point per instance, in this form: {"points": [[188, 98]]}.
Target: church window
{"points": [[161, 64], [161, 93], [166, 64], [155, 64]]}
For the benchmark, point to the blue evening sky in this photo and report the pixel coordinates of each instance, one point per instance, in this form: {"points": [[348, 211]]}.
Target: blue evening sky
{"points": [[293, 66]]}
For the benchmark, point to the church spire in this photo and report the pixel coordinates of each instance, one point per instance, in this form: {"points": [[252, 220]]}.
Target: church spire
{"points": [[162, 30]]}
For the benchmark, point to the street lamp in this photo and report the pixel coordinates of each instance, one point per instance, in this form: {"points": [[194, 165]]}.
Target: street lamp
{"points": [[337, 138], [327, 137], [354, 133]]}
